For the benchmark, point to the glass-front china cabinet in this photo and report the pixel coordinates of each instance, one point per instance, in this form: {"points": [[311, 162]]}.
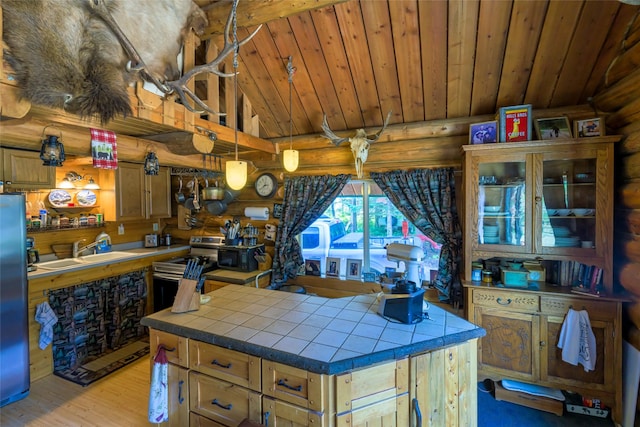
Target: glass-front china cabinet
{"points": [[545, 200]]}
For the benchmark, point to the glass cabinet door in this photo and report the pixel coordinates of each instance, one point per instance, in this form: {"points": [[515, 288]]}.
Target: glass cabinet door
{"points": [[501, 204], [568, 205]]}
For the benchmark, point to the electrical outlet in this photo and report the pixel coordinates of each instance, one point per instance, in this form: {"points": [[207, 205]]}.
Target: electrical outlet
{"points": [[156, 226], [121, 229]]}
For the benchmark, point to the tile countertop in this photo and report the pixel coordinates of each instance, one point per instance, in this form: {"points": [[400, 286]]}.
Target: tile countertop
{"points": [[321, 335], [136, 253]]}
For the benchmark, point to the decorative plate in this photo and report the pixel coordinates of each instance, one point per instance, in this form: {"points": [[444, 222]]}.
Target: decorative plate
{"points": [[59, 198], [86, 198]]}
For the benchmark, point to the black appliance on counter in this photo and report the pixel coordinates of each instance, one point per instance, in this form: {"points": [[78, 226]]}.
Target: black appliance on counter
{"points": [[167, 274], [239, 258], [404, 304], [33, 256]]}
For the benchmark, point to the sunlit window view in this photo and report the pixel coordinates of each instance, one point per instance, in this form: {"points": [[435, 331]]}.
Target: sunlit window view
{"points": [[358, 226]]}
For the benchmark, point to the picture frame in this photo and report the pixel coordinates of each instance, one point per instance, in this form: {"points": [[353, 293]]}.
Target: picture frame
{"points": [[589, 127], [369, 277], [354, 269], [553, 128], [483, 133], [277, 210], [312, 267], [333, 267], [515, 123]]}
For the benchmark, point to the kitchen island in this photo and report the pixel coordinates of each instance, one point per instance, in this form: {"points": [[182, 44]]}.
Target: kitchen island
{"points": [[308, 360]]}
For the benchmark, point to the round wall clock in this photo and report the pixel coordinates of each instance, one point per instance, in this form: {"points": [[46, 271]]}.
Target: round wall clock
{"points": [[266, 185]]}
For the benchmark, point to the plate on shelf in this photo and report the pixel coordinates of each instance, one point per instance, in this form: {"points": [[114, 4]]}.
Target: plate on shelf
{"points": [[86, 198], [59, 198]]}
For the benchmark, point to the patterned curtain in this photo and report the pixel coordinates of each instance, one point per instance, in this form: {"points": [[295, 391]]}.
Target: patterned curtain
{"points": [[426, 197], [305, 199]]}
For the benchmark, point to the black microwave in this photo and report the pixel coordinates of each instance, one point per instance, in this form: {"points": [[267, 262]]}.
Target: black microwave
{"points": [[239, 258]]}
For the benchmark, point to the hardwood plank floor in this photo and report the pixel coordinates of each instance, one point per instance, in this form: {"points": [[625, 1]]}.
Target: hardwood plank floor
{"points": [[120, 399]]}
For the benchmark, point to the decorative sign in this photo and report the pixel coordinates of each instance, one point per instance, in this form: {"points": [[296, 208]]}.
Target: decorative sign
{"points": [[515, 123]]}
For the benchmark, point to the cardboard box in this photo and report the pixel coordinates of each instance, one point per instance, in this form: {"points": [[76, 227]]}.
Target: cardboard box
{"points": [[529, 400]]}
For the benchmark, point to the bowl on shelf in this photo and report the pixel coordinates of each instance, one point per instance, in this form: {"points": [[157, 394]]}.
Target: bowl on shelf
{"points": [[492, 209], [563, 212], [584, 177], [582, 211]]}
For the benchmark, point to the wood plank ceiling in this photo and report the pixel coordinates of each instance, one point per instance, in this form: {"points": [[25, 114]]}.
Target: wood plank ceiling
{"points": [[423, 60]]}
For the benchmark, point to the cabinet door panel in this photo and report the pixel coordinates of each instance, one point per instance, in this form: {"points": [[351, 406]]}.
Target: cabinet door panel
{"points": [[279, 413], [159, 193], [387, 413], [130, 192], [175, 345], [510, 348], [559, 370], [178, 390], [24, 170]]}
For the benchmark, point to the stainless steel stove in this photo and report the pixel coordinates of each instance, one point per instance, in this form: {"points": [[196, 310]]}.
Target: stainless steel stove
{"points": [[167, 274]]}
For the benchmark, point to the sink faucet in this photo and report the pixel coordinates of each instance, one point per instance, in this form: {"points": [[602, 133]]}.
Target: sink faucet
{"points": [[77, 250]]}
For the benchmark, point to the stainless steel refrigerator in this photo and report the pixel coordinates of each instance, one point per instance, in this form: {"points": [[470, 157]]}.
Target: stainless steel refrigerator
{"points": [[14, 329]]}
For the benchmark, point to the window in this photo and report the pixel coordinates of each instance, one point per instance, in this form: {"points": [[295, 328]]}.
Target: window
{"points": [[358, 225]]}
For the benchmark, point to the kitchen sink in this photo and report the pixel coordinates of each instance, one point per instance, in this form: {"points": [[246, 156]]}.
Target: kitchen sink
{"points": [[106, 256], [60, 263]]}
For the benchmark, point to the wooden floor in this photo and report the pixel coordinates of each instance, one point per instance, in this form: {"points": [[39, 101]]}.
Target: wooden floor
{"points": [[120, 399]]}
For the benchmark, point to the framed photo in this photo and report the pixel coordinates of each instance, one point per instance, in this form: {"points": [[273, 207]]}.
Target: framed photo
{"points": [[369, 277], [333, 267], [277, 210], [483, 133], [515, 123], [312, 267], [588, 127], [354, 269], [553, 128]]}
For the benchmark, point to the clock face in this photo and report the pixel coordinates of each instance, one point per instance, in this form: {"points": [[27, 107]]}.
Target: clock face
{"points": [[266, 185]]}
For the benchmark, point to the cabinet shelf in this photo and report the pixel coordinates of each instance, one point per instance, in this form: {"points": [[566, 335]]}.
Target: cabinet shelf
{"points": [[64, 228], [73, 208]]}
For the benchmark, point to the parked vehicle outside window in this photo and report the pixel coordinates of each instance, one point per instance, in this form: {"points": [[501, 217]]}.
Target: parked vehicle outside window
{"points": [[340, 233]]}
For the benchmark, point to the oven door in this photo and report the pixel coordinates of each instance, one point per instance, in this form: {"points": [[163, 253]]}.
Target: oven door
{"points": [[165, 288]]}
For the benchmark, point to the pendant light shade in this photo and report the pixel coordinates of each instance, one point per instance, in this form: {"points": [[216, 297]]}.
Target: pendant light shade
{"points": [[236, 174], [290, 160], [290, 156]]}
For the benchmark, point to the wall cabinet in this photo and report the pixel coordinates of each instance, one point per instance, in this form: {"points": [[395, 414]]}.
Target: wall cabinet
{"points": [[23, 170], [540, 199], [138, 196]]}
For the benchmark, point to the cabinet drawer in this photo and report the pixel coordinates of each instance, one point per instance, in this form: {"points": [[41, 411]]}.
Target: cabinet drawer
{"points": [[221, 401], [177, 348], [389, 412], [283, 413], [196, 420], [294, 385], [558, 306], [229, 365], [508, 300], [364, 387]]}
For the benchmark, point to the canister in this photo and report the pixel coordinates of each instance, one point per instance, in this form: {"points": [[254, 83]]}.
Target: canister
{"points": [[487, 276], [476, 273]]}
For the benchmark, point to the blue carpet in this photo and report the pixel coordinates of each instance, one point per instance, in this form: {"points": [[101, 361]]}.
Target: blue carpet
{"points": [[498, 413]]}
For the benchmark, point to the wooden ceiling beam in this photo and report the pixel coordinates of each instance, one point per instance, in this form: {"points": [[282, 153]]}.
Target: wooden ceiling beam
{"points": [[255, 12]]}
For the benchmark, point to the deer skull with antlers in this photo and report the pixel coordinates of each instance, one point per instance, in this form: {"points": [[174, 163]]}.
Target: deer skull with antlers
{"points": [[360, 142]]}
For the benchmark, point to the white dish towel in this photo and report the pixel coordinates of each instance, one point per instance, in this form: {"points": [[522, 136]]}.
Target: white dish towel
{"points": [[577, 341], [159, 392], [47, 318]]}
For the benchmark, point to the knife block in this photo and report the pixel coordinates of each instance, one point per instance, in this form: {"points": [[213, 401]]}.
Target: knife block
{"points": [[187, 298]]}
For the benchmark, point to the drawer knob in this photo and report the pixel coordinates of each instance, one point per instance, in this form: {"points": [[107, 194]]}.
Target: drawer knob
{"points": [[284, 384], [227, 407], [500, 301], [215, 362]]}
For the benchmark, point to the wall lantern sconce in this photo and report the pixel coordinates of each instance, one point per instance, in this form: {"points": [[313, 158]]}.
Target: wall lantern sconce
{"points": [[52, 150], [71, 177], [151, 164]]}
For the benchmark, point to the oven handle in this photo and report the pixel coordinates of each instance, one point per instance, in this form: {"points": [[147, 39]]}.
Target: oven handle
{"points": [[167, 276]]}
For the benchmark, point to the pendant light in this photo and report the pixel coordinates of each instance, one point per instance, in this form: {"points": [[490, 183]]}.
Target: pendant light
{"points": [[290, 156], [236, 170]]}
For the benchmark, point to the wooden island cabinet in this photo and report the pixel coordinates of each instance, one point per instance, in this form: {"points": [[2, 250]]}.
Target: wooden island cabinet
{"points": [[282, 358]]}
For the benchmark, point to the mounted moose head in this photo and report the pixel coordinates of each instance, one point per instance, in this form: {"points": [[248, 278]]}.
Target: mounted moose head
{"points": [[80, 55], [360, 143]]}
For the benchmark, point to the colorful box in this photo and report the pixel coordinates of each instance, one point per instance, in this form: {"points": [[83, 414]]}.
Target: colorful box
{"points": [[537, 273], [514, 278], [515, 123]]}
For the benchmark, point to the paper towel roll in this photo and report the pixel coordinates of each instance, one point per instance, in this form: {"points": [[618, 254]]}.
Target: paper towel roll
{"points": [[257, 213]]}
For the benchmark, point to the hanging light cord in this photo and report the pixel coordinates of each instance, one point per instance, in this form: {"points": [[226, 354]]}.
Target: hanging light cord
{"points": [[291, 70], [235, 73]]}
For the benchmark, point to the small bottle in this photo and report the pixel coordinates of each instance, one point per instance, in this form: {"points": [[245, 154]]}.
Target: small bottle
{"points": [[1, 186], [28, 221], [35, 222], [44, 218], [83, 220], [64, 221], [91, 219], [55, 221]]}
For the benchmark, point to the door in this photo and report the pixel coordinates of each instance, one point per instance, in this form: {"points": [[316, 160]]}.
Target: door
{"points": [[130, 191], [158, 190], [178, 381], [24, 170]]}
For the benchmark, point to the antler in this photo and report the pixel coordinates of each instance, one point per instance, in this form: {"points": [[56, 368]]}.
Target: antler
{"points": [[328, 133], [180, 86], [373, 138]]}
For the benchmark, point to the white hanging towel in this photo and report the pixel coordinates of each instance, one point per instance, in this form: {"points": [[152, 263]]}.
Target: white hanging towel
{"points": [[47, 318], [577, 341], [159, 393]]}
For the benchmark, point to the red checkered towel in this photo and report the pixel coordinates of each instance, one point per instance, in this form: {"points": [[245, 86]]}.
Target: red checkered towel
{"points": [[103, 149]]}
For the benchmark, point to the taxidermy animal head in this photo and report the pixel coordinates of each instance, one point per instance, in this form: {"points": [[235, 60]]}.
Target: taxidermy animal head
{"points": [[80, 55], [360, 142]]}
